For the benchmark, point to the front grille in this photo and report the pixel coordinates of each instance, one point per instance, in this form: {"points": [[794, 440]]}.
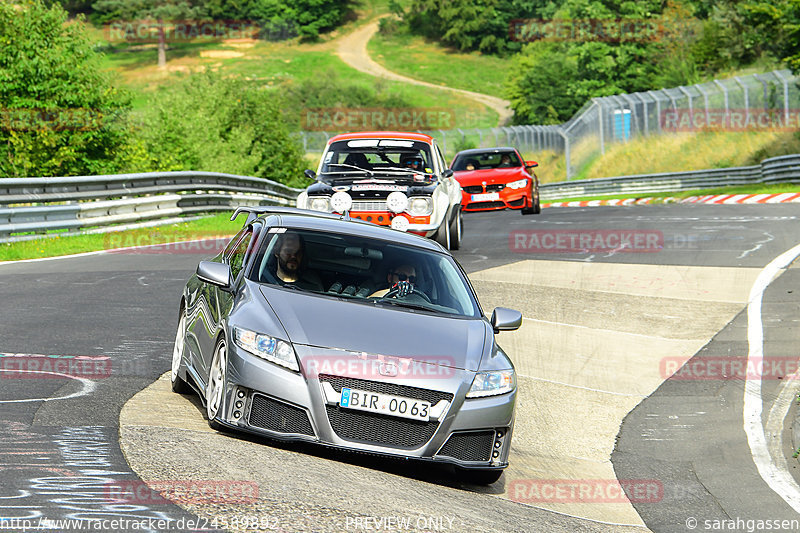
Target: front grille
{"points": [[428, 395], [476, 446], [485, 205], [267, 413], [369, 205], [380, 429], [495, 187], [473, 189]]}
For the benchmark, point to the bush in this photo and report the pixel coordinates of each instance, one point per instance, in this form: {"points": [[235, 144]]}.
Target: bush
{"points": [[210, 123], [59, 106]]}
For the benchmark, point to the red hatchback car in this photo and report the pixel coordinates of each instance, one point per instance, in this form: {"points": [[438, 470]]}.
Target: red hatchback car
{"points": [[496, 178]]}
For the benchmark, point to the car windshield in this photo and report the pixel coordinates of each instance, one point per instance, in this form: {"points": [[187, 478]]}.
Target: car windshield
{"points": [[363, 271], [365, 157], [484, 160]]}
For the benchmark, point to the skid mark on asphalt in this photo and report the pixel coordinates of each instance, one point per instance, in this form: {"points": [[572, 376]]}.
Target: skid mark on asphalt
{"points": [[581, 374]]}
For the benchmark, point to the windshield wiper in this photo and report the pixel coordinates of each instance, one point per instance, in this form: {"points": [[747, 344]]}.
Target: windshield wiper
{"points": [[381, 169], [367, 172]]}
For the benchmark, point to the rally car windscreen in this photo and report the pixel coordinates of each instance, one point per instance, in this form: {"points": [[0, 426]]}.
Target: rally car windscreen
{"points": [[375, 155], [360, 269]]}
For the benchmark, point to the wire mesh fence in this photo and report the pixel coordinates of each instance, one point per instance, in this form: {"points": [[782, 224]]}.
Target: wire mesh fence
{"points": [[743, 103]]}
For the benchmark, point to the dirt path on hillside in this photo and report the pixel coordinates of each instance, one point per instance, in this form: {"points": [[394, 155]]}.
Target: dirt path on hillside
{"points": [[352, 50]]}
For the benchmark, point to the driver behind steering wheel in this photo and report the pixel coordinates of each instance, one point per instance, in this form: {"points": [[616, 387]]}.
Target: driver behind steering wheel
{"points": [[401, 277]]}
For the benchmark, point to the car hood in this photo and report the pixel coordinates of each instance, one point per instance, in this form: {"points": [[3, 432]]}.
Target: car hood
{"points": [[490, 175], [332, 323]]}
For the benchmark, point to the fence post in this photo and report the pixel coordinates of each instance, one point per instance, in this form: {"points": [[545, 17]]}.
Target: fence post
{"points": [[766, 91], [779, 75], [691, 108], [705, 100], [725, 95], [600, 124], [746, 100], [658, 108], [566, 152]]}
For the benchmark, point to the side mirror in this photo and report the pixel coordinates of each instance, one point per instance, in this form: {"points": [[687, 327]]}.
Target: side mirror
{"points": [[218, 274], [531, 164], [504, 319], [447, 173], [310, 174]]}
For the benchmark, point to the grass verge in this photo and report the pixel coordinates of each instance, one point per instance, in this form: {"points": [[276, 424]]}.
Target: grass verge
{"points": [[52, 246], [414, 57]]}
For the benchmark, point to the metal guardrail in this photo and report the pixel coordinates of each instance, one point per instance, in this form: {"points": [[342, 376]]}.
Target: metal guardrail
{"points": [[74, 203], [784, 169], [105, 202]]}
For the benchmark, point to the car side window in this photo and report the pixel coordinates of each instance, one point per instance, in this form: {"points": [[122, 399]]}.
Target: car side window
{"points": [[233, 243], [240, 251]]}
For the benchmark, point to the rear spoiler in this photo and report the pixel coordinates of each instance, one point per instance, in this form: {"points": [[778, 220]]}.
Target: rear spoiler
{"points": [[254, 212]]}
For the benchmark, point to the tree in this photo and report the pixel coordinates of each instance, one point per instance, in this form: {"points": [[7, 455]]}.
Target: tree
{"points": [[58, 106], [162, 11]]}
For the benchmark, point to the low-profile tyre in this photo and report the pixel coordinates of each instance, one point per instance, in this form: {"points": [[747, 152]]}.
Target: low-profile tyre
{"points": [[443, 235], [215, 390], [456, 231], [178, 384], [537, 204], [534, 208], [478, 477]]}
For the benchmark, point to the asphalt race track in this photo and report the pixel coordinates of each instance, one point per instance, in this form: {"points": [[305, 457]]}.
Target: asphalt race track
{"points": [[615, 301]]}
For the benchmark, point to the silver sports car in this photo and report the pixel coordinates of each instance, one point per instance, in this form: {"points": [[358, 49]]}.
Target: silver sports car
{"points": [[314, 327]]}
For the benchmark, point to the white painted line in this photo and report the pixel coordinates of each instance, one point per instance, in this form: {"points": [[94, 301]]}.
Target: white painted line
{"points": [[778, 479], [87, 388]]}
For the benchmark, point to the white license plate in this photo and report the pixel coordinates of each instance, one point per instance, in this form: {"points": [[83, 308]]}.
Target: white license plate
{"points": [[385, 404], [486, 197]]}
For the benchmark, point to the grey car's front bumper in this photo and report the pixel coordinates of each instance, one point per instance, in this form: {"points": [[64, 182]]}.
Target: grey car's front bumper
{"points": [[266, 399]]}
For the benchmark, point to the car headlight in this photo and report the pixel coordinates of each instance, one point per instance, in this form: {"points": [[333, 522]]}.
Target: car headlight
{"points": [[397, 202], [420, 206], [517, 184], [492, 383], [266, 347], [319, 203]]}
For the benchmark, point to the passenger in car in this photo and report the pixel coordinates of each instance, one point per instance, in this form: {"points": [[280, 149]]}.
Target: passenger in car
{"points": [[291, 263], [404, 277]]}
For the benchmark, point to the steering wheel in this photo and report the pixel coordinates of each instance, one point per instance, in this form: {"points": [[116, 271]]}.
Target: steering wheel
{"points": [[393, 294]]}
